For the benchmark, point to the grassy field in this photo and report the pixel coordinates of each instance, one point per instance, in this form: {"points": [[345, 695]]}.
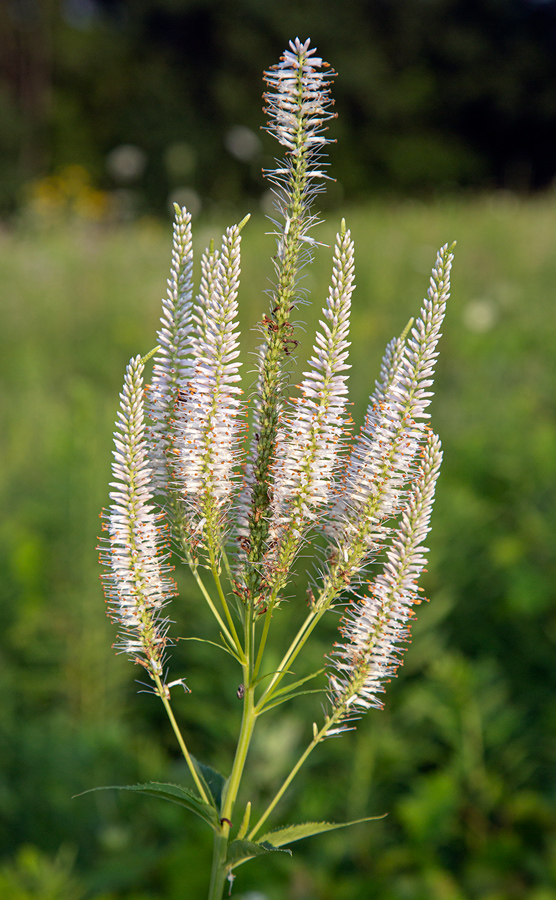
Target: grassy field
{"points": [[462, 758]]}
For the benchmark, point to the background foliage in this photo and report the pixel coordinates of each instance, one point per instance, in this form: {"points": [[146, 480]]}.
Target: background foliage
{"points": [[462, 758], [434, 94], [107, 109]]}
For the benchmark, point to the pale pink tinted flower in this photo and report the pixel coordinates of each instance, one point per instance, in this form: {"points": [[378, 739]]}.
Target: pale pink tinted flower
{"points": [[173, 363], [207, 416], [313, 428], [375, 627], [136, 584]]}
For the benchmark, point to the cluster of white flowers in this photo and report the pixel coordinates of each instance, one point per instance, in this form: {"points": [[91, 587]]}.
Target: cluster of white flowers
{"points": [[298, 102], [299, 472], [380, 463], [207, 419], [375, 628], [136, 583], [173, 362], [312, 430]]}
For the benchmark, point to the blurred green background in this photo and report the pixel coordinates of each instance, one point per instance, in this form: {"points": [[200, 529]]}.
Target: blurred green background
{"points": [[158, 97], [463, 756]]}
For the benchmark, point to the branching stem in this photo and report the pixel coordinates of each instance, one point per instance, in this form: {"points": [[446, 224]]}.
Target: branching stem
{"points": [[163, 694]]}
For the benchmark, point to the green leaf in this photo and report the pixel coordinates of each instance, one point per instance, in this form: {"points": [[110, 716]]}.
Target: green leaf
{"points": [[174, 793], [291, 833], [212, 643], [240, 851], [213, 781], [244, 822], [287, 692], [296, 684], [284, 699]]}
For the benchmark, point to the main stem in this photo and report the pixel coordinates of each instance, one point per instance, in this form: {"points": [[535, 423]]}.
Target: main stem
{"points": [[296, 205], [219, 871]]}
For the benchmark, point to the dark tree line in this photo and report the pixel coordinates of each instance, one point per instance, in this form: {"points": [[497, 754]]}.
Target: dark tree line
{"points": [[432, 95]]}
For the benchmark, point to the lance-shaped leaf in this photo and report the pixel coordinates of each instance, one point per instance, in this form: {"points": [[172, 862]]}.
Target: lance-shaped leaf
{"points": [[174, 793], [291, 833], [213, 781]]}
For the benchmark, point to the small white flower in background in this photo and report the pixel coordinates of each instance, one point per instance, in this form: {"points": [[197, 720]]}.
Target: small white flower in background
{"points": [[242, 143], [480, 316], [126, 163], [184, 196]]}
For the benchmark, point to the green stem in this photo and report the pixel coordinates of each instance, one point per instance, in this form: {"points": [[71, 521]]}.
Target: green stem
{"points": [[223, 601], [296, 645], [219, 871], [181, 741], [323, 604], [246, 733], [233, 642], [264, 635], [227, 565], [278, 796]]}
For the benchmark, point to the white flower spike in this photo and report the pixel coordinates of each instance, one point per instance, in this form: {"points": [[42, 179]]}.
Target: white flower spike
{"points": [[207, 417], [381, 463], [173, 364], [136, 582], [375, 627], [312, 430]]}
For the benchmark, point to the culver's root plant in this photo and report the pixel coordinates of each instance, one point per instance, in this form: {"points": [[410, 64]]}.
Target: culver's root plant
{"points": [[239, 504]]}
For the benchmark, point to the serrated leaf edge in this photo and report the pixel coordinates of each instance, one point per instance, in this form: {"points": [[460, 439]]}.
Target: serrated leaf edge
{"points": [[314, 829]]}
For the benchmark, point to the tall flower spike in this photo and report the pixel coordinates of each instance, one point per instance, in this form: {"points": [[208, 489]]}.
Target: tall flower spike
{"points": [[381, 420], [380, 466], [136, 584], [297, 104], [173, 363], [376, 629], [209, 406], [309, 439]]}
